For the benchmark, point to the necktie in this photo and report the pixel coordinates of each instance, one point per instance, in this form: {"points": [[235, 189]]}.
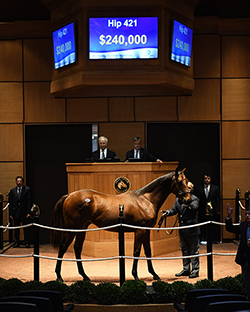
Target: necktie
{"points": [[18, 192], [206, 191], [136, 154], [102, 154]]}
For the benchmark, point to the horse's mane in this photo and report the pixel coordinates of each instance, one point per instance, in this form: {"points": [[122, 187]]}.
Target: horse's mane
{"points": [[152, 185]]}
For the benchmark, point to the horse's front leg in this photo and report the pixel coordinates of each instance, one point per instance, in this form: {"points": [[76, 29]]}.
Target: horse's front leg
{"points": [[78, 250], [147, 250], [137, 251]]}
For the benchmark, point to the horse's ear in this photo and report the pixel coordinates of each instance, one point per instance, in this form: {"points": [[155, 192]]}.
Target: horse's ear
{"points": [[176, 171], [181, 175]]}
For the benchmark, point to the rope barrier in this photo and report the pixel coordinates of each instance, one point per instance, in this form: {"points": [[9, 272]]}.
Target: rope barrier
{"points": [[74, 230], [118, 257], [79, 260], [242, 207], [223, 254], [14, 256], [58, 229], [17, 227], [8, 222], [6, 207], [111, 227], [181, 257]]}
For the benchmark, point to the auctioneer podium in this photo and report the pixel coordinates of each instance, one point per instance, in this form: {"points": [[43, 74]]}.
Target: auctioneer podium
{"points": [[101, 177]]}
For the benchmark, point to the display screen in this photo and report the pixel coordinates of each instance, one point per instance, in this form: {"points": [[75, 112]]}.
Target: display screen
{"points": [[123, 38], [64, 46], [181, 44]]}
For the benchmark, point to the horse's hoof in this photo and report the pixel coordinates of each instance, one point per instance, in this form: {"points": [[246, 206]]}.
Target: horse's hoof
{"points": [[157, 278]]}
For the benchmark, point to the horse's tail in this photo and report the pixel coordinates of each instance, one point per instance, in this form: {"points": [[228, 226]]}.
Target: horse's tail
{"points": [[56, 237]]}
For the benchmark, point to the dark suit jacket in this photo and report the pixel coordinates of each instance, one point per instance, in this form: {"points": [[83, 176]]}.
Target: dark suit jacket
{"points": [[213, 197], [144, 155], [20, 208], [96, 155], [186, 216], [243, 253]]}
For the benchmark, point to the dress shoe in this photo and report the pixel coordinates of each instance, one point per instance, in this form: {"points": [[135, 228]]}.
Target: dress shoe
{"points": [[27, 245], [16, 245], [183, 273], [194, 274]]}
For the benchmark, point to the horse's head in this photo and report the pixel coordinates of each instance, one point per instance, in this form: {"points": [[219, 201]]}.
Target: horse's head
{"points": [[181, 187]]}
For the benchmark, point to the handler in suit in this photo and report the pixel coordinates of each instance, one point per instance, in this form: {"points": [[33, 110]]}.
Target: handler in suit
{"points": [[243, 253], [189, 237], [140, 152], [20, 205], [209, 193], [103, 152]]}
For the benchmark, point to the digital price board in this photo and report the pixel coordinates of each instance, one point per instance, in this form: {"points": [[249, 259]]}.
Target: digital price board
{"points": [[123, 38], [64, 46], [181, 44]]}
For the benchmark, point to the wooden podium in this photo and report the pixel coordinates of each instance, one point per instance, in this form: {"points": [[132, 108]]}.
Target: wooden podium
{"points": [[101, 177]]}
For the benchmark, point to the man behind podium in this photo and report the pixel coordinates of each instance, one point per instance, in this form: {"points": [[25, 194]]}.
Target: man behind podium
{"points": [[103, 152], [140, 153]]}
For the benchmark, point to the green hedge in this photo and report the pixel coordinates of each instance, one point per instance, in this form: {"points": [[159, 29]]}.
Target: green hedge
{"points": [[131, 292]]}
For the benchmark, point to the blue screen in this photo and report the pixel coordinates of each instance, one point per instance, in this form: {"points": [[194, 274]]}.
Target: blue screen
{"points": [[182, 44], [64, 46], [123, 38]]}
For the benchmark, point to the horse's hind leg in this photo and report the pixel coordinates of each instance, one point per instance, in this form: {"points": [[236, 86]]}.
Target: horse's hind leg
{"points": [[62, 249], [135, 265], [78, 250], [147, 249], [137, 251]]}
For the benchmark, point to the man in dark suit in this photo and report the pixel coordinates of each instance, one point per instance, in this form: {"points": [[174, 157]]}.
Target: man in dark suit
{"points": [[20, 205], [189, 237], [140, 152], [103, 152], [209, 197], [243, 253]]}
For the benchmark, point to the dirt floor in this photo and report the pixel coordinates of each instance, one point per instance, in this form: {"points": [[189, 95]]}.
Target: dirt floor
{"points": [[108, 270]]}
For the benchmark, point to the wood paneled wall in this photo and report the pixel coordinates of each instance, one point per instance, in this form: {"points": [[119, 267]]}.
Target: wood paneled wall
{"points": [[204, 104], [222, 84]]}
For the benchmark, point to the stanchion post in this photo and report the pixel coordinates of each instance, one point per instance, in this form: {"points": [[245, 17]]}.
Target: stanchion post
{"points": [[1, 220], [121, 246], [237, 209], [209, 250], [36, 251]]}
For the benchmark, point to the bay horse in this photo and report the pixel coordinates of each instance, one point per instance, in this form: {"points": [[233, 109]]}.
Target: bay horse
{"points": [[79, 209]]}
